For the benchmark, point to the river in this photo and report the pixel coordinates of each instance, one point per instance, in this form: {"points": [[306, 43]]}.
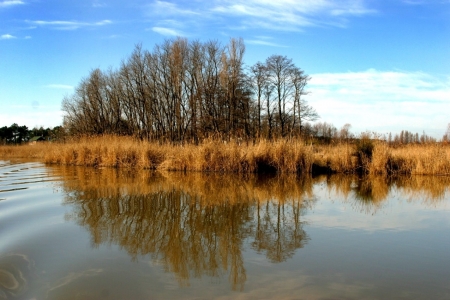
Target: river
{"points": [[85, 233]]}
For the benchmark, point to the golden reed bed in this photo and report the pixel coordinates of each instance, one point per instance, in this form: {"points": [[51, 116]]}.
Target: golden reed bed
{"points": [[282, 156]]}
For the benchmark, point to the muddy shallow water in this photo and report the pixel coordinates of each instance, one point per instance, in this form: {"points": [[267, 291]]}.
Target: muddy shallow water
{"points": [[83, 233]]}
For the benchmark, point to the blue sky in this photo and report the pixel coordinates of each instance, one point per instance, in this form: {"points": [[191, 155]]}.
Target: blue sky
{"points": [[380, 65]]}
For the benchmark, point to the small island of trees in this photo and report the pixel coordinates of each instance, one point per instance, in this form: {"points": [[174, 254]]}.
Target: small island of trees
{"points": [[196, 106], [187, 91]]}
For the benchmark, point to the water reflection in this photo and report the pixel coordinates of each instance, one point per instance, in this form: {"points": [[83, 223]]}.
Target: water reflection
{"points": [[430, 189], [200, 224], [368, 193], [193, 225]]}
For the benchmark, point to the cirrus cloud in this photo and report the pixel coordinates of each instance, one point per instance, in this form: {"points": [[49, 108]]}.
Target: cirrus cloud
{"points": [[281, 15], [167, 31], [68, 25]]}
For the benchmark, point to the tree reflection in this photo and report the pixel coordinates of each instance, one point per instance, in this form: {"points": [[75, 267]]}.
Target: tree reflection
{"points": [[193, 225], [198, 225], [278, 230]]}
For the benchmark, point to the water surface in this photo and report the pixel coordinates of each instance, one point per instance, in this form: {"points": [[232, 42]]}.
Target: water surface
{"points": [[83, 233]]}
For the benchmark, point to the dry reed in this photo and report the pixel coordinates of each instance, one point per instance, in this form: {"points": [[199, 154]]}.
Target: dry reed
{"points": [[210, 156], [336, 158], [282, 156], [432, 159]]}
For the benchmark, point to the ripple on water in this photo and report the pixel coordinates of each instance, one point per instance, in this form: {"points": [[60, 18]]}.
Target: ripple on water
{"points": [[12, 190], [26, 206]]}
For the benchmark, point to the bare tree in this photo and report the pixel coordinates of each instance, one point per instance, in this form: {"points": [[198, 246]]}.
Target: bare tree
{"points": [[280, 69], [190, 90], [302, 111], [237, 103], [259, 77]]}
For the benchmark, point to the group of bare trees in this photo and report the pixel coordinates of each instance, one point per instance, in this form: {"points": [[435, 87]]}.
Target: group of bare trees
{"points": [[191, 90]]}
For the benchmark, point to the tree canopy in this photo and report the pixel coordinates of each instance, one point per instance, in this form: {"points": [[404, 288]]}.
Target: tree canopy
{"points": [[186, 90]]}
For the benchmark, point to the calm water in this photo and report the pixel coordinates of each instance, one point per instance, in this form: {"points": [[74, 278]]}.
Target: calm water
{"points": [[81, 233]]}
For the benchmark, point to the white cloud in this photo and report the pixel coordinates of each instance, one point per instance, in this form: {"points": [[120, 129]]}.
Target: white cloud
{"points": [[291, 15], [382, 101], [69, 25], [175, 18], [167, 8], [351, 11], [280, 15], [11, 3], [263, 42], [167, 31], [7, 37], [59, 86], [265, 14]]}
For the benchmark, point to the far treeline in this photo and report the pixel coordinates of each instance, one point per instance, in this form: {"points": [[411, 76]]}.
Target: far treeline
{"points": [[189, 90], [18, 134]]}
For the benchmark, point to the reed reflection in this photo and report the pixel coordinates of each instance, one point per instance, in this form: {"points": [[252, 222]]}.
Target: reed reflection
{"points": [[368, 193], [429, 189], [198, 225], [193, 225]]}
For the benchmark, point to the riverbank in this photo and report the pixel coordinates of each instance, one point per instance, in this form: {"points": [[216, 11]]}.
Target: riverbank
{"points": [[282, 156]]}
